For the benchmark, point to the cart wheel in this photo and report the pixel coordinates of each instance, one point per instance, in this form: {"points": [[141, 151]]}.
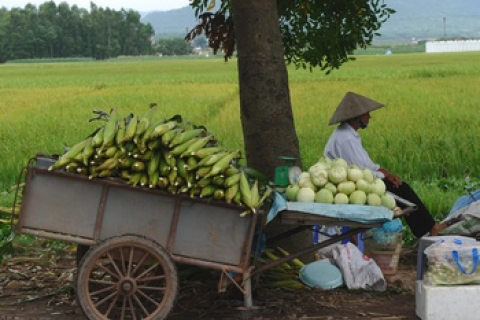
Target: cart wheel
{"points": [[127, 277]]}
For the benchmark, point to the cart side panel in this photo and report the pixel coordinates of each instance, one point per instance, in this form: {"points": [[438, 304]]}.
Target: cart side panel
{"points": [[132, 211], [211, 233], [60, 204]]}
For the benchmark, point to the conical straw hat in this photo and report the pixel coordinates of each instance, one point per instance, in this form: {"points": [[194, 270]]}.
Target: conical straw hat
{"points": [[353, 105]]}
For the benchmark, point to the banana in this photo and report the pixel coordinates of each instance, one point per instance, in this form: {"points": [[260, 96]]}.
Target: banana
{"points": [[191, 162], [138, 166], [153, 179], [130, 129], [97, 139], [232, 180], [153, 164], [163, 182], [71, 167], [270, 255], [120, 132], [203, 152], [207, 191], [154, 144], [180, 148], [210, 160], [223, 163], [169, 136], [172, 175], [218, 180], [111, 151], [126, 162], [202, 172], [110, 130], [231, 170], [143, 179], [197, 145], [194, 192], [87, 152], [219, 194], [148, 155], [185, 136], [70, 155], [203, 182], [162, 128], [299, 264], [163, 167], [182, 168], [134, 178], [245, 189], [147, 135], [254, 196], [145, 120], [231, 192]]}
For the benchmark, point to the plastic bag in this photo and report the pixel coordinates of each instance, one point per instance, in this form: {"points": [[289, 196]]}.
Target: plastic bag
{"points": [[358, 270], [453, 262]]}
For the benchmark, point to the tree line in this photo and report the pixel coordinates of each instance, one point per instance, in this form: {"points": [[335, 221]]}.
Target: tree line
{"points": [[52, 31]]}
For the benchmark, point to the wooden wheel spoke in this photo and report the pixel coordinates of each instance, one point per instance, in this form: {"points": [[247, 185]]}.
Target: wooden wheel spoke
{"points": [[130, 261], [114, 264], [148, 270], [140, 263], [122, 258], [101, 302], [163, 289], [112, 305], [160, 277], [124, 307], [139, 302], [101, 266], [106, 289], [148, 298], [132, 309], [102, 282]]}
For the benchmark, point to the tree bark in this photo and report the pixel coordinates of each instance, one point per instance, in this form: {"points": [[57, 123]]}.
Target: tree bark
{"points": [[266, 111]]}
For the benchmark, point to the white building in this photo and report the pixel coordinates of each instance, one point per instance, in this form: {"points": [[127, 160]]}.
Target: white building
{"points": [[452, 46]]}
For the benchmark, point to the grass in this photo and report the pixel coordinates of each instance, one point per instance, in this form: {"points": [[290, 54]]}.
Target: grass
{"points": [[427, 132]]}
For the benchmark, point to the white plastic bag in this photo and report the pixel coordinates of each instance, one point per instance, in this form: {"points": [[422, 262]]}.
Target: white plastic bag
{"points": [[453, 262], [358, 270]]}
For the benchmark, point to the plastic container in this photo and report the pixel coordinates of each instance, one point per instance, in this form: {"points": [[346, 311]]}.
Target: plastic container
{"points": [[321, 274], [385, 249]]}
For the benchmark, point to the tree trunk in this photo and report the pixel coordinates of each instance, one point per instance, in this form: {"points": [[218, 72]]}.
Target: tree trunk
{"points": [[266, 112]]}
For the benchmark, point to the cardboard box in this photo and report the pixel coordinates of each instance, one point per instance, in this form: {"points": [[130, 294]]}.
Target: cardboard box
{"points": [[447, 302]]}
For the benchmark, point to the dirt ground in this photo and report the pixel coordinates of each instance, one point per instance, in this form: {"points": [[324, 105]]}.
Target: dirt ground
{"points": [[38, 284]]}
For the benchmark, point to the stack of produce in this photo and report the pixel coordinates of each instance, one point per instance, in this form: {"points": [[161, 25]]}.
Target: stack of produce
{"points": [[169, 154], [285, 275], [334, 181]]}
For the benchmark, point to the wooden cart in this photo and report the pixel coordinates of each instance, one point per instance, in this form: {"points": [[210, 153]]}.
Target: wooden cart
{"points": [[137, 235]]}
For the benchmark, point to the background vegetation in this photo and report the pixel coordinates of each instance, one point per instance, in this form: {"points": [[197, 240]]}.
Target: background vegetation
{"points": [[52, 31], [427, 133]]}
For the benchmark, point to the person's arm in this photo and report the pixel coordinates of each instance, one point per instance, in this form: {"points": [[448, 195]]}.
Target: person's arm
{"points": [[390, 177]]}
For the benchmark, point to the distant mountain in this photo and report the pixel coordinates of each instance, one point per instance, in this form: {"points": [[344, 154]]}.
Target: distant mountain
{"points": [[413, 19]]}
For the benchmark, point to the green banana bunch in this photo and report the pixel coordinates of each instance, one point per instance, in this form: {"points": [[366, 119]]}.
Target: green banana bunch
{"points": [[178, 157]]}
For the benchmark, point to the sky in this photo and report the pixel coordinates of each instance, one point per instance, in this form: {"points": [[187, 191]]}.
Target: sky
{"points": [[137, 5]]}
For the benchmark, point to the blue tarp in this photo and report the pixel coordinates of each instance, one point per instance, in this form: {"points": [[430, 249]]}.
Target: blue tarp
{"points": [[345, 212]]}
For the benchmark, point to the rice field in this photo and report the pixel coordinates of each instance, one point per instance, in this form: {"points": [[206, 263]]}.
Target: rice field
{"points": [[428, 132]]}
